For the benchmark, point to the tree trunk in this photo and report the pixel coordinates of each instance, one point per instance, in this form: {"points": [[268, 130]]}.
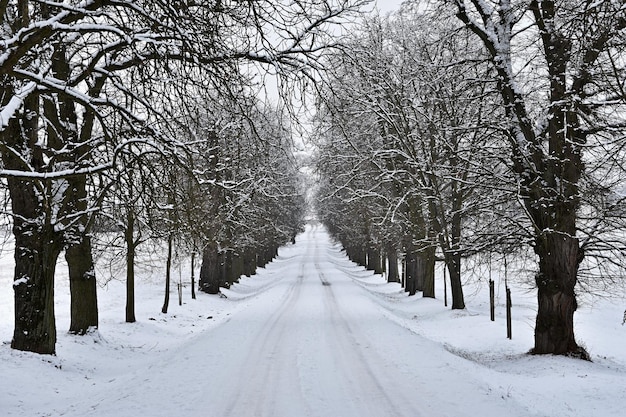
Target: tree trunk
{"points": [[221, 270], [392, 269], [83, 288], [410, 271], [383, 262], [559, 257], [237, 267], [453, 263], [268, 255], [260, 258], [209, 276], [349, 253], [420, 267], [360, 256], [227, 268], [374, 261], [403, 273], [249, 262], [37, 248], [61, 123], [429, 273], [452, 248], [168, 275], [36, 254]]}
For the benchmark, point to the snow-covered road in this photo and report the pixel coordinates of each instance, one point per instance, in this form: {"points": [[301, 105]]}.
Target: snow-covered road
{"points": [[313, 342]]}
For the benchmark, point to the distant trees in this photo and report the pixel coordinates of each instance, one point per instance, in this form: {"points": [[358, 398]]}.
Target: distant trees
{"points": [[407, 108], [84, 83], [256, 201]]}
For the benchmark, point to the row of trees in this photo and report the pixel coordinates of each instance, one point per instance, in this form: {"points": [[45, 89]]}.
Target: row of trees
{"points": [[455, 128], [144, 112], [406, 155]]}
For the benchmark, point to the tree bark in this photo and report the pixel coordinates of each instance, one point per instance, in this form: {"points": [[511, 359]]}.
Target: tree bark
{"points": [[237, 267], [419, 270], [249, 262], [36, 252], [428, 289], [392, 269], [261, 260], [374, 261], [453, 263], [559, 257], [78, 254], [403, 273], [62, 132], [209, 276], [83, 288], [411, 273], [360, 256], [226, 270], [37, 248]]}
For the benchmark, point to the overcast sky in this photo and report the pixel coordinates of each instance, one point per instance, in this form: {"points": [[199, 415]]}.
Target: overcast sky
{"points": [[386, 6]]}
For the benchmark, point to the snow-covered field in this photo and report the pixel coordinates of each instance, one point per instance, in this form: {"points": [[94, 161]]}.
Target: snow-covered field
{"points": [[310, 335]]}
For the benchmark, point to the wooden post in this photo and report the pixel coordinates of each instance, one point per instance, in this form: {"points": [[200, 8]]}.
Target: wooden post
{"points": [[403, 272], [193, 277], [445, 287], [180, 294], [492, 294], [509, 330], [492, 300]]}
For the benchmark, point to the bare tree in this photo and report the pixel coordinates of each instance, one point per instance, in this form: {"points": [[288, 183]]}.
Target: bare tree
{"points": [[556, 100], [255, 201], [413, 105], [124, 62]]}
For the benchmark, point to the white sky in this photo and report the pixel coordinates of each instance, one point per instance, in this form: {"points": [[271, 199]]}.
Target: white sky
{"points": [[386, 6]]}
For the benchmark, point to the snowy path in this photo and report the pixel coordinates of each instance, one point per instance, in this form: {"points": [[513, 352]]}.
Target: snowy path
{"points": [[313, 343]]}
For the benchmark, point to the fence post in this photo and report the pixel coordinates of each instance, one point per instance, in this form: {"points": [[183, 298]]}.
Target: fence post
{"points": [[492, 300], [445, 287], [193, 277], [509, 330]]}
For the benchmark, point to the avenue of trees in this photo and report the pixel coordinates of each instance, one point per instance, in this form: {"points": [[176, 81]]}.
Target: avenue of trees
{"points": [[450, 129], [459, 127], [142, 118]]}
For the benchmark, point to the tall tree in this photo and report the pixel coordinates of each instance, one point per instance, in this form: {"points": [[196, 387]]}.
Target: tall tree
{"points": [[576, 81]]}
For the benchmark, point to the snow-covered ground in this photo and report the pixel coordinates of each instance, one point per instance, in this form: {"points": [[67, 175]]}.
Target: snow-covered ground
{"points": [[310, 335]]}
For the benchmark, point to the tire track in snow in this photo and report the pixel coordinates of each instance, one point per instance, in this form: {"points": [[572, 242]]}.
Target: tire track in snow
{"points": [[364, 384], [267, 364]]}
